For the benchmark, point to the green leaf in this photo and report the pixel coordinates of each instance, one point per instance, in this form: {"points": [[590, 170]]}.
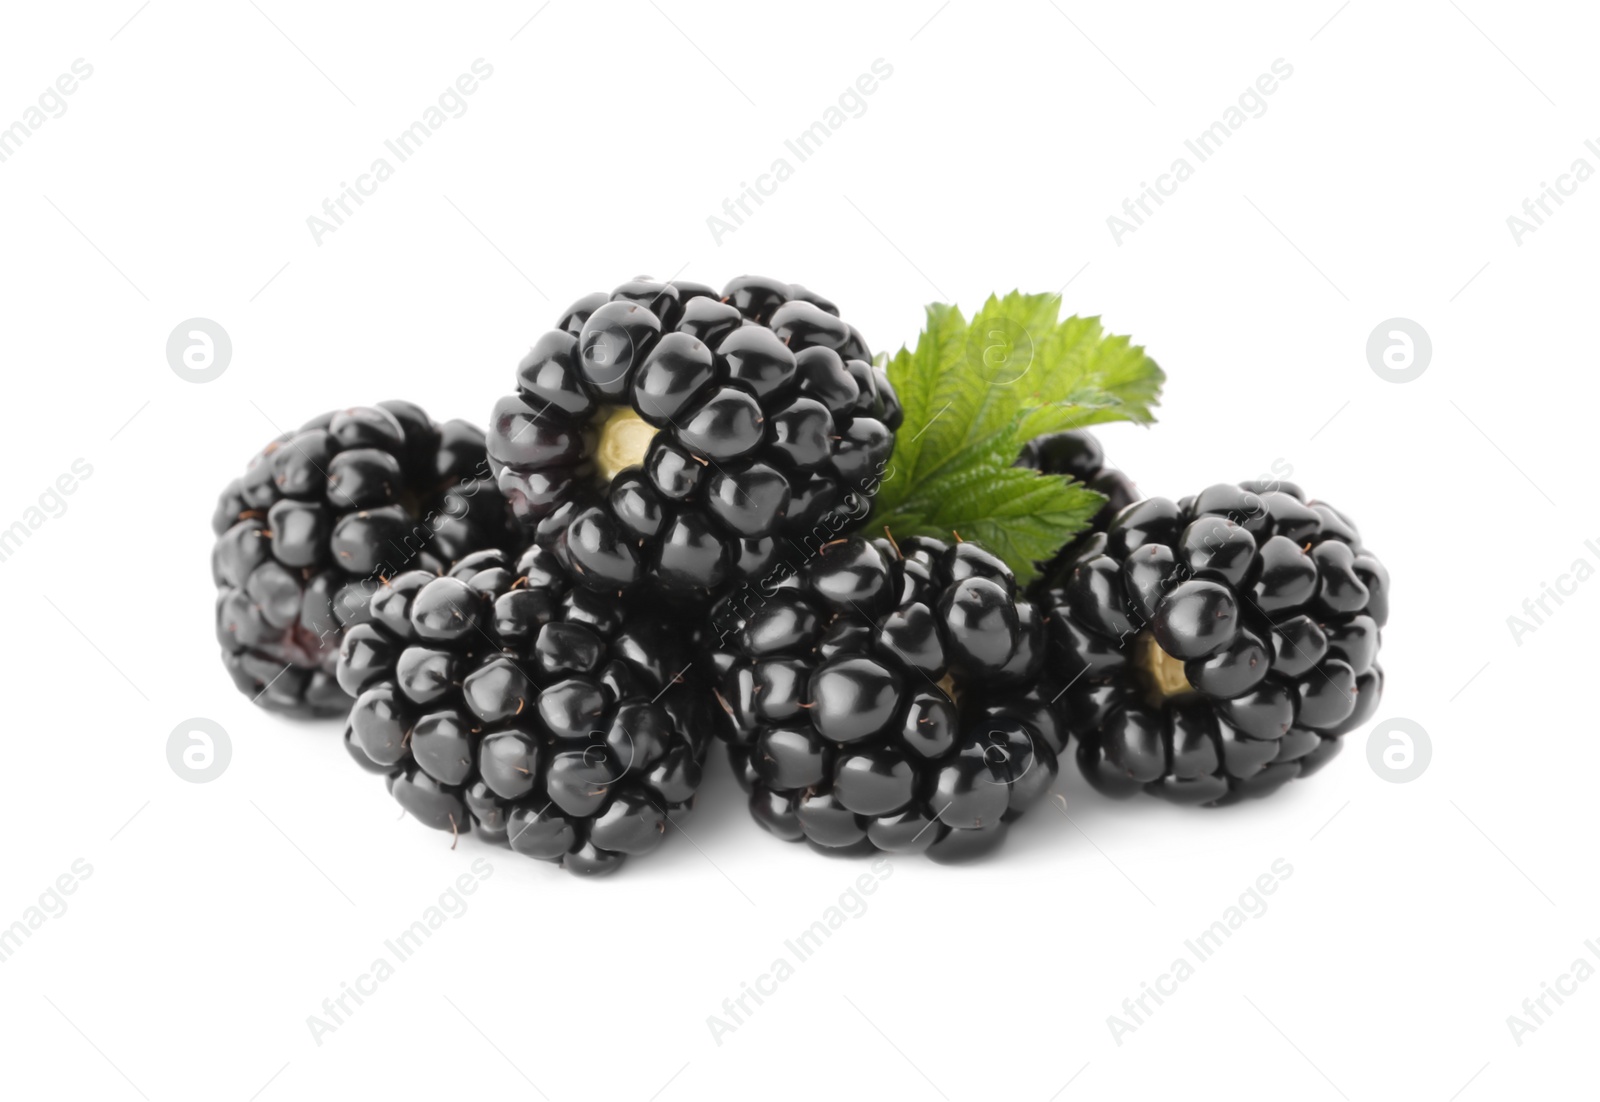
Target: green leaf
{"points": [[975, 393], [1018, 514], [916, 374]]}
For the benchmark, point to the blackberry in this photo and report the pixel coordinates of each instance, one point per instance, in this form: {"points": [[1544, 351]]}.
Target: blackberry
{"points": [[885, 697], [1076, 454], [549, 717], [323, 513], [1215, 648], [668, 436]]}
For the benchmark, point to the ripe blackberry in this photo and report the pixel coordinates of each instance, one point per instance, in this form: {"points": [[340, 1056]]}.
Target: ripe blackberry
{"points": [[1212, 649], [670, 436], [551, 717], [1077, 454], [319, 517], [884, 697]]}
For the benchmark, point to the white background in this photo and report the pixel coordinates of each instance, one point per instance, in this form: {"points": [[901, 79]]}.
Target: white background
{"points": [[1377, 184]]}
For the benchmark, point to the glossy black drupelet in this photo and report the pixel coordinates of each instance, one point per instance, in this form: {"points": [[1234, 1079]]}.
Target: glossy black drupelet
{"points": [[669, 436], [1215, 648], [886, 697], [320, 516], [549, 717], [1077, 454]]}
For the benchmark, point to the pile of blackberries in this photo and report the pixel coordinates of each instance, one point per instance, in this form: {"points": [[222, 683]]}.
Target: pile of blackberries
{"points": [[536, 634]]}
